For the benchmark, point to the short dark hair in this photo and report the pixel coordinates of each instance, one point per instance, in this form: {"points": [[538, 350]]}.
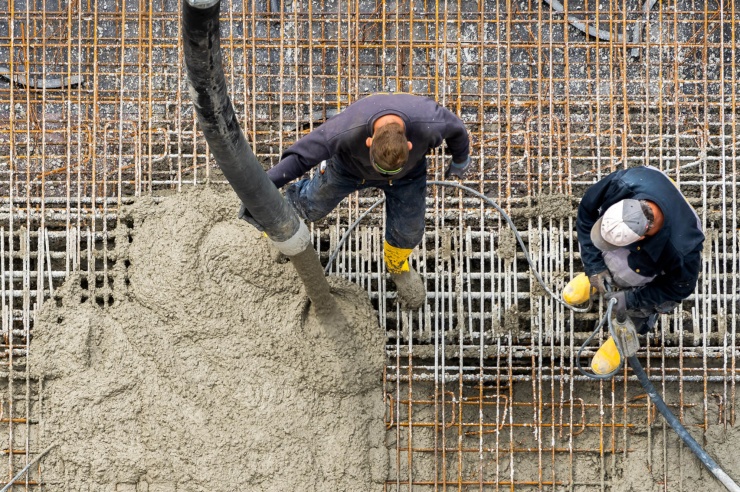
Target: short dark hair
{"points": [[390, 149], [648, 211]]}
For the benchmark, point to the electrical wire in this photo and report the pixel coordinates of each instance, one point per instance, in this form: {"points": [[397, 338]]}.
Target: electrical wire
{"points": [[487, 200]]}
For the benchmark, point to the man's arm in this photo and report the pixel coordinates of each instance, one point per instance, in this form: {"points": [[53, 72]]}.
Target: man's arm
{"points": [[602, 194], [675, 285], [588, 214], [300, 157], [456, 137]]}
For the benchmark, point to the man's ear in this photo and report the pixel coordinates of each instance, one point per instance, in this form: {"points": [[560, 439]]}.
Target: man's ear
{"points": [[369, 142], [410, 145]]}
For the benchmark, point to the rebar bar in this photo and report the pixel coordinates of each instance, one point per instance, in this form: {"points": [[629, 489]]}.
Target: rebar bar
{"points": [[481, 384]]}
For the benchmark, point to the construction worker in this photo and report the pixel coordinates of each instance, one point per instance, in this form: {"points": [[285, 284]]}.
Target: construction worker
{"points": [[379, 141], [640, 244]]}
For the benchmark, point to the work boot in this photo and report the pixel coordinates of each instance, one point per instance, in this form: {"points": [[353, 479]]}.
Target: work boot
{"points": [[607, 358], [410, 287]]}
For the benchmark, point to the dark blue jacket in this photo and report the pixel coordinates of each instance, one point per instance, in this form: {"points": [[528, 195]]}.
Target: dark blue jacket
{"points": [[343, 137], [673, 254]]}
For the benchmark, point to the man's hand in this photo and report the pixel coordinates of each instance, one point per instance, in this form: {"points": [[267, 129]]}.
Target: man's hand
{"points": [[457, 169], [599, 281], [620, 308], [245, 215]]}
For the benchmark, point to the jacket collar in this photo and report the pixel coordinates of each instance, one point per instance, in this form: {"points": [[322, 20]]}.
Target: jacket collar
{"points": [[653, 245]]}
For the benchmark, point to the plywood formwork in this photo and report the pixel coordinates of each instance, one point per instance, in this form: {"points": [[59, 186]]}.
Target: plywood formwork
{"points": [[94, 113]]}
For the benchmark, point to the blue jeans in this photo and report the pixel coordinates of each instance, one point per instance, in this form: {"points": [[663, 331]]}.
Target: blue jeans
{"points": [[405, 200]]}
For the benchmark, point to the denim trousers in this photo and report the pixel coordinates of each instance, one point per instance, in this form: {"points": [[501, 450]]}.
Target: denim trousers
{"points": [[405, 199]]}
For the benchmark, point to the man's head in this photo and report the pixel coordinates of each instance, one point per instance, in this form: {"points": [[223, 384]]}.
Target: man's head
{"points": [[389, 148], [622, 224]]}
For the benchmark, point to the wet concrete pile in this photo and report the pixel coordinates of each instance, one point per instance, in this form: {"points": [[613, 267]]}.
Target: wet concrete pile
{"points": [[209, 371]]}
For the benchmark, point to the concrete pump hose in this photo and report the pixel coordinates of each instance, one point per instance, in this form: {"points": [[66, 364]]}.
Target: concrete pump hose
{"points": [[234, 156], [217, 119], [676, 425]]}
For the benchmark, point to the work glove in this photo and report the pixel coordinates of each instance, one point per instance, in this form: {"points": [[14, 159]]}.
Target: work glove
{"points": [[620, 308], [457, 169], [600, 281], [245, 215]]}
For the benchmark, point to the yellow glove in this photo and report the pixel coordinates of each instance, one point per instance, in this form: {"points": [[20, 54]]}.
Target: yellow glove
{"points": [[578, 290]]}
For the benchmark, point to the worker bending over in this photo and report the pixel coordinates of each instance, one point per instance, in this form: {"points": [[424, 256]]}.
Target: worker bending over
{"points": [[380, 141], [640, 244]]}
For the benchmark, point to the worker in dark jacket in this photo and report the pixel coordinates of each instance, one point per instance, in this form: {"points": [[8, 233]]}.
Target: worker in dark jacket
{"points": [[641, 244], [380, 141]]}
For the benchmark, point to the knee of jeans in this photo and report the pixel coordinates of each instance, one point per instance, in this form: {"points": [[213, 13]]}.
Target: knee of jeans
{"points": [[303, 209], [666, 307], [308, 212], [308, 206], [408, 238], [643, 325], [292, 197]]}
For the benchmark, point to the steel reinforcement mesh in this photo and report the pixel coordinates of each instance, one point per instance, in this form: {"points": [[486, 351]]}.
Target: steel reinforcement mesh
{"points": [[481, 389]]}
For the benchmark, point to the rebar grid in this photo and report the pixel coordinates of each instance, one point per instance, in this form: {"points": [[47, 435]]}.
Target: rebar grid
{"points": [[496, 425], [549, 110]]}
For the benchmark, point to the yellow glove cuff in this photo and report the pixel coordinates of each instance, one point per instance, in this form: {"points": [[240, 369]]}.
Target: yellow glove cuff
{"points": [[396, 259]]}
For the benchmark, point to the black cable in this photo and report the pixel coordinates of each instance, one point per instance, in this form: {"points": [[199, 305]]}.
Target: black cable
{"points": [[676, 425], [487, 200]]}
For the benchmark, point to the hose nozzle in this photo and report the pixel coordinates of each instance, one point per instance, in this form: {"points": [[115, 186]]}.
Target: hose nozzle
{"points": [[625, 336]]}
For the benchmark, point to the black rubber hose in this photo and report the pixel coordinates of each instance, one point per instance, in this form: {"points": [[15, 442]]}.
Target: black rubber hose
{"points": [[487, 200], [637, 30], [676, 425], [39, 83], [202, 52], [581, 25]]}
